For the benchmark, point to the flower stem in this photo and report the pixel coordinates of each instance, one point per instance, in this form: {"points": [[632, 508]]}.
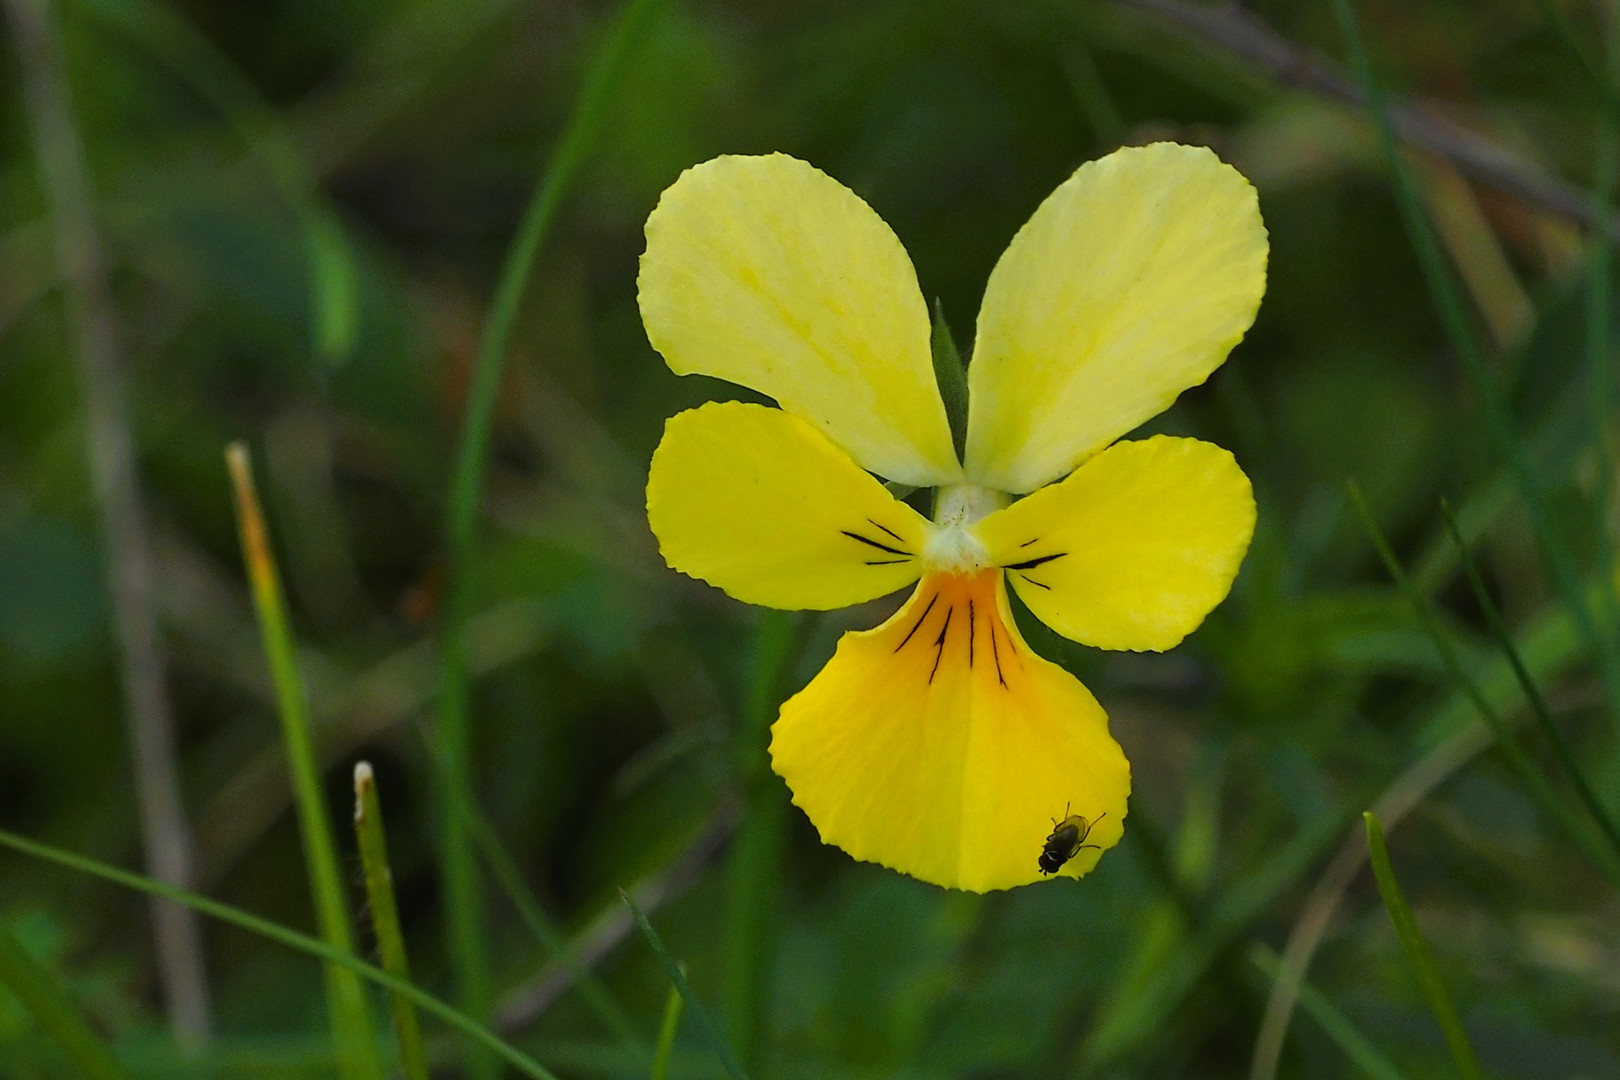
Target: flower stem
{"points": [[753, 871], [463, 891]]}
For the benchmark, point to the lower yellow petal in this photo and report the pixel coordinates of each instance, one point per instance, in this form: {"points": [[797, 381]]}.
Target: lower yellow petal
{"points": [[1134, 548], [763, 505], [939, 745]]}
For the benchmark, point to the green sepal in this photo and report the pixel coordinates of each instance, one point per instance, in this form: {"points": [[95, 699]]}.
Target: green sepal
{"points": [[951, 375]]}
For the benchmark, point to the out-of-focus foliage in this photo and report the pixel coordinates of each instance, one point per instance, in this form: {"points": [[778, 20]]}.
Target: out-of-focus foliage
{"points": [[305, 206]]}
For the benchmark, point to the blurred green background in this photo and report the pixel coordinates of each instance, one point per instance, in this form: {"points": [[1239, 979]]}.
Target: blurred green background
{"points": [[304, 208]]}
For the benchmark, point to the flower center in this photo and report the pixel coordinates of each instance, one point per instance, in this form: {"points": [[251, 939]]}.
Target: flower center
{"points": [[952, 545]]}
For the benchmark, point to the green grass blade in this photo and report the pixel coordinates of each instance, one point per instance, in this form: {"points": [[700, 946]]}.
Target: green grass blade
{"points": [[754, 865], [53, 1008], [666, 1035], [1148, 841], [1436, 565], [509, 878], [1538, 705], [368, 829], [1091, 93], [1589, 67], [1598, 299], [463, 893], [351, 1022], [1334, 1024], [165, 34], [951, 377], [334, 285], [1460, 333], [700, 1015], [292, 939], [597, 997], [1598, 359], [1418, 955], [1535, 783]]}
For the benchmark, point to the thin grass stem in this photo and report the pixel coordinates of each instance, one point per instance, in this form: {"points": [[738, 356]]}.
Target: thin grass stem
{"points": [[1418, 955], [677, 977], [1334, 1024], [1148, 840], [667, 1031], [1538, 704], [505, 870], [463, 892], [373, 841], [53, 1008], [1460, 333], [351, 1022], [67, 187], [1549, 646], [1535, 783], [592, 942], [292, 939]]}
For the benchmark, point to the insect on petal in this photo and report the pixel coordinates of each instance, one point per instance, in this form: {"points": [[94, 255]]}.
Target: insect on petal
{"points": [[939, 745]]}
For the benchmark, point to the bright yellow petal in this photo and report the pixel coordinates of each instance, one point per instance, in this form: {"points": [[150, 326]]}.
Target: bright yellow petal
{"points": [[766, 272], [1134, 548], [941, 746], [1130, 284], [758, 502]]}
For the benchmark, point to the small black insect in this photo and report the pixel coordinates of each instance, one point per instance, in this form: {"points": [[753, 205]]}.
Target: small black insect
{"points": [[1068, 839]]}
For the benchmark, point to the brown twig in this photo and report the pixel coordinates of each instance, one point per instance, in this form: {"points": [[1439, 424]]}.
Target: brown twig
{"points": [[1242, 36], [164, 833]]}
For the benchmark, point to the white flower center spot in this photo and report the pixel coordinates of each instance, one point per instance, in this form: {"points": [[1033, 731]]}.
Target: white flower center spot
{"points": [[953, 546]]}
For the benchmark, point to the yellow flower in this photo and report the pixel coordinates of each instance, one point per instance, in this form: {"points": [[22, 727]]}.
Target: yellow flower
{"points": [[940, 744]]}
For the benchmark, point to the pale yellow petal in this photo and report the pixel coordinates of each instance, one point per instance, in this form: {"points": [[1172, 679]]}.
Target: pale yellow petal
{"points": [[1130, 284], [766, 272], [941, 746], [1134, 548], [758, 502]]}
